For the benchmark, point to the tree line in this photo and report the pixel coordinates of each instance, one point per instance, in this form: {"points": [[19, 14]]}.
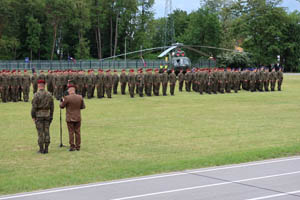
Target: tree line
{"points": [[95, 29]]}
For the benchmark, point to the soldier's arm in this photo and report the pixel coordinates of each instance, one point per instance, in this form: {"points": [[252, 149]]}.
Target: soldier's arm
{"points": [[34, 108], [82, 104], [51, 108]]}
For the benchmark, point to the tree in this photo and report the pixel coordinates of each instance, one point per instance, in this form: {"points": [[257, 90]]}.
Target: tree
{"points": [[34, 31]]}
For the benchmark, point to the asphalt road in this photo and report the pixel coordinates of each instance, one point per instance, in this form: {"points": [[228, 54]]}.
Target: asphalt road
{"points": [[277, 179]]}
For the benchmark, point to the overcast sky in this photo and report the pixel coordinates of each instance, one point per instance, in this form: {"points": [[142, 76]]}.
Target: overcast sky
{"points": [[190, 5]]}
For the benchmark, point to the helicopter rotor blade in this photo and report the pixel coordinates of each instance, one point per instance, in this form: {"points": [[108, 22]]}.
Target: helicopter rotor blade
{"points": [[167, 51], [197, 51], [135, 52]]}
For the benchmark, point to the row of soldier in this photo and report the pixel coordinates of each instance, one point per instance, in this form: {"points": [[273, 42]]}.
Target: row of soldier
{"points": [[220, 80], [13, 83]]}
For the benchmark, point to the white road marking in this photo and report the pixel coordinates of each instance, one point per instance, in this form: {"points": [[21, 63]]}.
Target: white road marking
{"points": [[148, 178], [276, 195], [206, 186]]}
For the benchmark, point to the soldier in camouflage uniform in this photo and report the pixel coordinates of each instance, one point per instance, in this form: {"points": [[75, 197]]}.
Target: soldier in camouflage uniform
{"points": [[209, 82], [215, 84], [123, 81], [261, 77], [172, 78], [236, 80], [131, 83], [228, 80], [279, 78], [90, 82], [273, 78], [26, 82], [100, 84], [116, 80], [156, 82], [49, 81], [148, 82], [181, 80], [19, 86], [140, 82], [266, 79], [188, 77], [164, 81], [108, 82], [34, 80], [42, 115], [14, 86], [253, 80]]}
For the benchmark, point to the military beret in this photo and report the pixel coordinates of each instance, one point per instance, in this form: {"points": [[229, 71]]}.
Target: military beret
{"points": [[131, 70], [25, 70], [156, 70], [115, 70], [108, 70], [41, 81], [123, 70]]}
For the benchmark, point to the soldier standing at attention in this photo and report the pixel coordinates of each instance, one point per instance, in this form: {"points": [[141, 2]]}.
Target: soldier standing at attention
{"points": [[4, 87], [108, 82], [123, 81], [273, 77], [19, 86], [49, 81], [42, 115], [148, 82], [253, 80], [172, 78], [156, 82], [164, 81], [89, 84], [140, 82], [236, 80], [116, 80], [181, 80], [261, 77], [26, 81], [131, 83], [74, 104], [280, 78], [266, 79], [100, 84]]}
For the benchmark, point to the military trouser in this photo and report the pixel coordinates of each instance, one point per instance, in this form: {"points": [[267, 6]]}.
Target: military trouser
{"points": [[74, 130], [50, 88], [257, 85], [261, 86], [84, 90], [100, 91], [222, 87], [123, 88], [240, 85], [180, 86], [228, 87], [273, 83], [90, 91], [19, 93], [148, 89], [93, 91], [140, 88], [201, 87], [252, 86], [156, 87], [108, 89], [26, 91], [188, 86], [266, 86], [60, 92], [279, 83], [165, 88], [172, 88], [208, 89], [79, 89], [236, 85], [194, 86], [42, 126], [215, 87], [136, 88], [131, 89], [246, 85], [4, 94], [14, 93], [35, 87]]}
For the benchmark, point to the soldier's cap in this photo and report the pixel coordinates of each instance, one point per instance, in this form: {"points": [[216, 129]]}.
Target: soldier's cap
{"points": [[19, 70], [108, 70], [115, 70], [149, 70], [100, 70], [41, 81], [123, 70], [156, 70], [25, 70], [41, 71], [131, 70]]}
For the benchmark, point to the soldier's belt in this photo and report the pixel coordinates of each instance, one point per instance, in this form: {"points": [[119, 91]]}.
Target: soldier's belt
{"points": [[43, 113]]}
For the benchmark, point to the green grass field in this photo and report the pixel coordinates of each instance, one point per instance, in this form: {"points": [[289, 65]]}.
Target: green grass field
{"points": [[124, 137]]}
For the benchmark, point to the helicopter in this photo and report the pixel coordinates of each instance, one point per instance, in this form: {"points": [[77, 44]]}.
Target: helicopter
{"points": [[175, 57]]}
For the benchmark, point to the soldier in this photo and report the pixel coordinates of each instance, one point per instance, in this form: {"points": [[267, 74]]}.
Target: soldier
{"points": [[280, 78], [209, 81], [108, 82], [148, 82], [253, 80], [215, 84], [116, 80], [172, 78], [42, 114], [81, 83], [222, 80], [236, 80], [131, 83], [34, 82], [181, 80], [94, 80], [156, 82], [194, 81], [14, 86], [100, 84], [261, 78], [74, 104], [273, 78], [228, 80], [140, 82], [26, 81], [266, 79], [49, 81], [188, 77], [19, 86], [89, 84], [164, 81], [123, 81]]}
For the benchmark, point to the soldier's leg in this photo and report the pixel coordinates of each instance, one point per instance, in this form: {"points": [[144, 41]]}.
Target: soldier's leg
{"points": [[71, 135], [141, 91], [115, 89], [279, 85], [272, 86], [77, 126], [236, 87], [180, 86], [41, 136], [47, 135]]}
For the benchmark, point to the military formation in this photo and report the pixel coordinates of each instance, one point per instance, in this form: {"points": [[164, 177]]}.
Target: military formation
{"points": [[220, 80], [15, 85]]}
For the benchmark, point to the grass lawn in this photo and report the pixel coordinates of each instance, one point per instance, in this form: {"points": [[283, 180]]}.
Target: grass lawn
{"points": [[124, 137]]}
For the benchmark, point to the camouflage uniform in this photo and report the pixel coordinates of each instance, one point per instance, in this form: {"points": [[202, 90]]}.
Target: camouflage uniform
{"points": [[140, 83], [148, 83], [131, 83], [108, 82], [273, 78], [181, 80], [42, 111], [172, 78], [156, 83], [123, 82], [280, 79], [26, 81], [34, 82], [164, 81], [116, 80], [100, 84], [266, 80], [188, 77]]}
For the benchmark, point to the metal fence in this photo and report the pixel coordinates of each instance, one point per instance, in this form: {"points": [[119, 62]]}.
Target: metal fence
{"points": [[92, 64]]}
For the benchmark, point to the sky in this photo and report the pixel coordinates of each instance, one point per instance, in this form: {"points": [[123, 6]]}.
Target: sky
{"points": [[190, 5]]}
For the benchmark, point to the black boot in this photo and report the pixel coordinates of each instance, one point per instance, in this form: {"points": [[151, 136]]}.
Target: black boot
{"points": [[46, 148], [41, 149]]}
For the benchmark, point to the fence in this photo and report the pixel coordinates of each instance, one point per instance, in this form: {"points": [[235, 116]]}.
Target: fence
{"points": [[92, 64]]}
